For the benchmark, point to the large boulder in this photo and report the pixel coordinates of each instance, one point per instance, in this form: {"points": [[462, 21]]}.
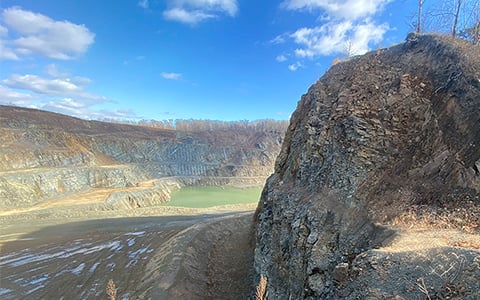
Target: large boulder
{"points": [[388, 138]]}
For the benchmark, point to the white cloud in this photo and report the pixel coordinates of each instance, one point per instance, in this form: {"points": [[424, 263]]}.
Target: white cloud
{"points": [[228, 6], [188, 17], [281, 58], [343, 37], [171, 75], [295, 66], [12, 97], [57, 87], [344, 9], [143, 4], [53, 71], [346, 27], [40, 35], [196, 11], [62, 95], [279, 39], [78, 109], [322, 40], [365, 34], [41, 85], [7, 53], [3, 31]]}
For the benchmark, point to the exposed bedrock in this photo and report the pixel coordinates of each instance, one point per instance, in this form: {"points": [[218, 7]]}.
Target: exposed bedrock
{"points": [[391, 132], [156, 194], [45, 155], [22, 189]]}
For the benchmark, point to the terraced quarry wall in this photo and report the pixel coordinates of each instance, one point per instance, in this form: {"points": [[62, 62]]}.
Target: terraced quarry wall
{"points": [[44, 156]]}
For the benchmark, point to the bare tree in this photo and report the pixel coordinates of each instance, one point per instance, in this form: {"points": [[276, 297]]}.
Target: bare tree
{"points": [[457, 18], [457, 14], [419, 16], [348, 48], [472, 34]]}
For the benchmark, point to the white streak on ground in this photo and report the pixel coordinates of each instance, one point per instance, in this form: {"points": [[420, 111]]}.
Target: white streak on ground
{"points": [[138, 252], [4, 291], [93, 267], [35, 289], [78, 270], [31, 258], [38, 280], [138, 233]]}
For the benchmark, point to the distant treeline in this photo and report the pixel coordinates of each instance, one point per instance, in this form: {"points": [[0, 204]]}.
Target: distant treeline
{"points": [[210, 125]]}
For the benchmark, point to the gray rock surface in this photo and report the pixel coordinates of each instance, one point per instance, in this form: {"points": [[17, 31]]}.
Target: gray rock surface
{"points": [[392, 133], [45, 155], [157, 194]]}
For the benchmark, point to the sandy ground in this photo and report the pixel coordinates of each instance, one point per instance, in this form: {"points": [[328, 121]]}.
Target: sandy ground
{"points": [[156, 253]]}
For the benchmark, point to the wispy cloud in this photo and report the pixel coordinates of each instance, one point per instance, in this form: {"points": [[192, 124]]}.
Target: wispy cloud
{"points": [[12, 97], [62, 87], [78, 109], [54, 71], [39, 35], [281, 58], [295, 66], [143, 4], [339, 9], [279, 39], [135, 59], [196, 11], [3, 31], [58, 91], [171, 75], [346, 27]]}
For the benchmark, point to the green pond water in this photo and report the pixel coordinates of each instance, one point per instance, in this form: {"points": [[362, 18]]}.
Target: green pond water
{"points": [[208, 196]]}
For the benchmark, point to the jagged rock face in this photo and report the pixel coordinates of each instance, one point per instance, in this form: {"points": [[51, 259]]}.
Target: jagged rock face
{"points": [[157, 194], [376, 135], [45, 155]]}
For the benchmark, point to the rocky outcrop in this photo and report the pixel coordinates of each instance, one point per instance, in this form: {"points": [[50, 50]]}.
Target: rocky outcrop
{"points": [[24, 188], [156, 194], [45, 155], [379, 137]]}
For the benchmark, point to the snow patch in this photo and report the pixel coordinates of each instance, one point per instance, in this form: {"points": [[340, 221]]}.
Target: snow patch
{"points": [[78, 270], [69, 252], [138, 233], [111, 266], [92, 268], [138, 252], [35, 289], [37, 280], [4, 291]]}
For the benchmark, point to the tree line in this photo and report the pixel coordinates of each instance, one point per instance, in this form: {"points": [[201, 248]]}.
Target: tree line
{"points": [[267, 125]]}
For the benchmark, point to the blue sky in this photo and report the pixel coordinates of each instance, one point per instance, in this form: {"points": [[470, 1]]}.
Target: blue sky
{"points": [[182, 59]]}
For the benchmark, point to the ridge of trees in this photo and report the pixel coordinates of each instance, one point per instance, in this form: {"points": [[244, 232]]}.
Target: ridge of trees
{"points": [[458, 18], [266, 125]]}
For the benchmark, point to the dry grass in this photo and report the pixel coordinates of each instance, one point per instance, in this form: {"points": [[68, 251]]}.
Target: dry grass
{"points": [[111, 289], [451, 288], [463, 218], [261, 293], [336, 61]]}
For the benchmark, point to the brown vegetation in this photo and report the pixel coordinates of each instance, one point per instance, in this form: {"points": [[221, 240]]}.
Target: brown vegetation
{"points": [[111, 289], [212, 125], [261, 291]]}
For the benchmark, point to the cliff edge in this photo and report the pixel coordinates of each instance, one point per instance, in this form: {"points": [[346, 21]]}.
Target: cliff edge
{"points": [[45, 157], [376, 191]]}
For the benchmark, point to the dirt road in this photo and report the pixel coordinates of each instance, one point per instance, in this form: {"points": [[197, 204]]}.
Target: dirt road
{"points": [[155, 257]]}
